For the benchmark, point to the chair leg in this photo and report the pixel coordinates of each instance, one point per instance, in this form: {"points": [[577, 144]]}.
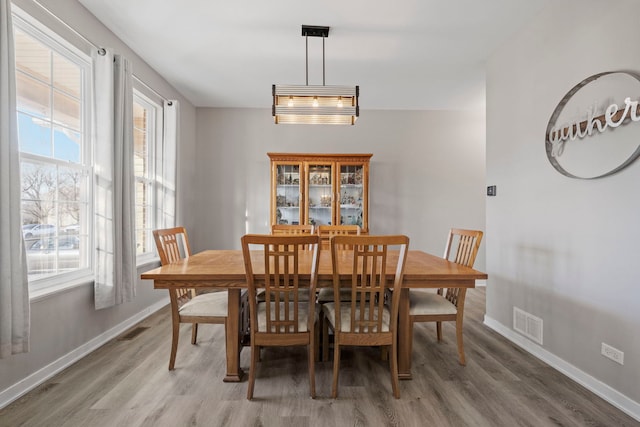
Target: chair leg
{"points": [[393, 367], [312, 368], [336, 368], [316, 340], [255, 354], [175, 334], [194, 333], [325, 339], [460, 343], [439, 330], [410, 348]]}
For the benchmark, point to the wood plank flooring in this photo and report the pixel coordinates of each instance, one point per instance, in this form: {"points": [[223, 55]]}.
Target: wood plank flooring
{"points": [[126, 383]]}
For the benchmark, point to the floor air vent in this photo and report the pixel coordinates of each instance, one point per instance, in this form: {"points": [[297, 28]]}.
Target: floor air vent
{"points": [[133, 333], [527, 324]]}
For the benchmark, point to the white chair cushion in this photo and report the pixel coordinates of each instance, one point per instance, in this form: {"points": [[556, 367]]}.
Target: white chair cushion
{"points": [[303, 314], [329, 310], [426, 303], [210, 304]]}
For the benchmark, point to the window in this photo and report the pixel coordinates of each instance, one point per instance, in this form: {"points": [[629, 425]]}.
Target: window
{"points": [[52, 88], [147, 119]]}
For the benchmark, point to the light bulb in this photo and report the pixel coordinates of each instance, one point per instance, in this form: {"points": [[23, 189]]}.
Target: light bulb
{"points": [[315, 101], [339, 102], [290, 104]]}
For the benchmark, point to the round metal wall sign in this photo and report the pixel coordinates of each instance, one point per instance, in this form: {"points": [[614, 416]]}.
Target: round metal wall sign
{"points": [[591, 133]]}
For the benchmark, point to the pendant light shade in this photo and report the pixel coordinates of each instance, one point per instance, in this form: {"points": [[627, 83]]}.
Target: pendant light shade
{"points": [[334, 105], [315, 104]]}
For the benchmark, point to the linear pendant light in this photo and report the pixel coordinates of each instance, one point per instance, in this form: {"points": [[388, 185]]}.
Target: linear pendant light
{"points": [[315, 104]]}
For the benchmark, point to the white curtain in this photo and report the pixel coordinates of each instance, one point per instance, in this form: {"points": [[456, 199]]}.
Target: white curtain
{"points": [[166, 161], [115, 258], [14, 286]]}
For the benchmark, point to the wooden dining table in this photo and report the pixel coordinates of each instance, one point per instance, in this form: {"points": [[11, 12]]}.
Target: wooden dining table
{"points": [[224, 269]]}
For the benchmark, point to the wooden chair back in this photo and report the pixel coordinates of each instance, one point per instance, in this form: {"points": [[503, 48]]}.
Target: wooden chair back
{"points": [[370, 278], [280, 280], [278, 229], [173, 245], [293, 230], [468, 243], [326, 231]]}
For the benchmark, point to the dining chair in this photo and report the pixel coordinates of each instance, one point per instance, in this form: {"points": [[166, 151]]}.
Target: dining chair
{"points": [[282, 319], [187, 306], [448, 304], [365, 320]]}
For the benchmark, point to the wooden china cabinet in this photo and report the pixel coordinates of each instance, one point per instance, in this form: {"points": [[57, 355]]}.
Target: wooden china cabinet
{"points": [[320, 189]]}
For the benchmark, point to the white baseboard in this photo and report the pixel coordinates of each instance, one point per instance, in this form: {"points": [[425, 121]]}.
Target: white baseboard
{"points": [[32, 381], [614, 397]]}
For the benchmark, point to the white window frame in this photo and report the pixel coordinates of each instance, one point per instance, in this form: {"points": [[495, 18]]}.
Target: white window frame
{"points": [[29, 25], [154, 139]]}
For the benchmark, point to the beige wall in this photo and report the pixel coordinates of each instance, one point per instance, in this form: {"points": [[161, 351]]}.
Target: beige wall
{"points": [[427, 171], [564, 249]]}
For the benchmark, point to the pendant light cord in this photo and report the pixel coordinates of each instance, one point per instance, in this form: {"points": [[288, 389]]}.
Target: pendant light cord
{"points": [[323, 60], [306, 41]]}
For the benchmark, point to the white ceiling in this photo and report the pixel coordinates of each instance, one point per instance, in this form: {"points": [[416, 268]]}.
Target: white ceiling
{"points": [[404, 54]]}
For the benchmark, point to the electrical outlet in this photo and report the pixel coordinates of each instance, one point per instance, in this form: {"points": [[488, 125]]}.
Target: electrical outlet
{"points": [[613, 353]]}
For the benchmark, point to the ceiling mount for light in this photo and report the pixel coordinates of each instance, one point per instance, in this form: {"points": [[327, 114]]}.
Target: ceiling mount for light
{"points": [[315, 104], [315, 31]]}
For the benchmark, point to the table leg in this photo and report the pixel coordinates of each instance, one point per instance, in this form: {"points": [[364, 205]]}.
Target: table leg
{"points": [[404, 337], [234, 372]]}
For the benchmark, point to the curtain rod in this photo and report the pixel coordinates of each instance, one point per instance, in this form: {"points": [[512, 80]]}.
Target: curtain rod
{"points": [[100, 49]]}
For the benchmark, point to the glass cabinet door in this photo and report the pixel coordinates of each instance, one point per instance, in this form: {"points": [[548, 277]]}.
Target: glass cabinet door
{"points": [[351, 194], [288, 194], [320, 190]]}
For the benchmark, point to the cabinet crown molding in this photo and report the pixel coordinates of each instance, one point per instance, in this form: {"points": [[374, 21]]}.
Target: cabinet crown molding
{"points": [[320, 156]]}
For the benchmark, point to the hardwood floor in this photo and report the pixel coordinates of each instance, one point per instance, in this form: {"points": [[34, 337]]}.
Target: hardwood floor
{"points": [[126, 383]]}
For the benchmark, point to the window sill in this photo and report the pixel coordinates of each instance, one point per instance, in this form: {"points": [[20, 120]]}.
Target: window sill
{"points": [[45, 292], [50, 291]]}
